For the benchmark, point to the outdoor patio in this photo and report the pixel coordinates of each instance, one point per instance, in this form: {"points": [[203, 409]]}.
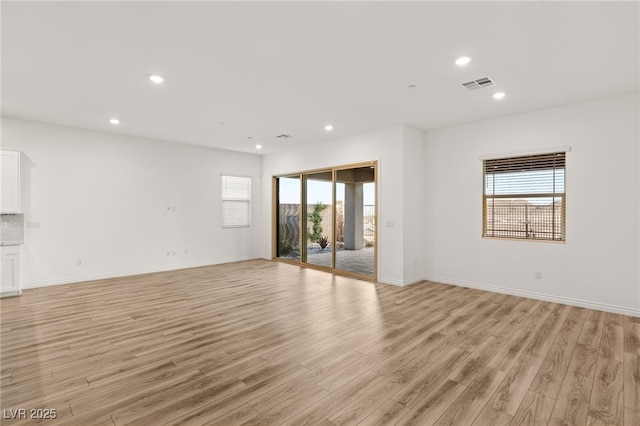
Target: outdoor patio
{"points": [[358, 261]]}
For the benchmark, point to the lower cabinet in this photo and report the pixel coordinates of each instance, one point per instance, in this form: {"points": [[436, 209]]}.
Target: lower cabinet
{"points": [[10, 283]]}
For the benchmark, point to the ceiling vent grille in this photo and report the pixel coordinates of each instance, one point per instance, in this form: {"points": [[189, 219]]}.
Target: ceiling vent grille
{"points": [[479, 83]]}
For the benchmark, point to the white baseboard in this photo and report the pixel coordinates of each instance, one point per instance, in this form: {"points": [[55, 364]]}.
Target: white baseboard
{"points": [[119, 274], [399, 283], [414, 280], [10, 293], [539, 296], [391, 281]]}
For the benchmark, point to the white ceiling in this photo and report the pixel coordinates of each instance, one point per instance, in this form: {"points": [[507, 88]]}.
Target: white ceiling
{"points": [[268, 68]]}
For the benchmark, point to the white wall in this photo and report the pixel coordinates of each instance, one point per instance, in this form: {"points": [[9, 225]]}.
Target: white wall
{"points": [[103, 198], [387, 146], [598, 266], [413, 205]]}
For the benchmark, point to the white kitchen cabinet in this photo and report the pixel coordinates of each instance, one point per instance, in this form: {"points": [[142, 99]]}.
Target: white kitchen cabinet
{"points": [[10, 173], [10, 272]]}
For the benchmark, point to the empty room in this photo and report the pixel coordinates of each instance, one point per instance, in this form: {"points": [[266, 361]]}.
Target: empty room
{"points": [[320, 213]]}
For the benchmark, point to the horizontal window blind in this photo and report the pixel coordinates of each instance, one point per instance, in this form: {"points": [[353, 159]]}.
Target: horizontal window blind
{"points": [[524, 197], [236, 201]]}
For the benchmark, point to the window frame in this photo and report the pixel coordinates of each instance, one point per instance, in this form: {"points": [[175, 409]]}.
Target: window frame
{"points": [[226, 200], [538, 161]]}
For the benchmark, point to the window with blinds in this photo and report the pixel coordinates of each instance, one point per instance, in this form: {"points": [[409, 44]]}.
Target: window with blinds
{"points": [[236, 202], [524, 197]]}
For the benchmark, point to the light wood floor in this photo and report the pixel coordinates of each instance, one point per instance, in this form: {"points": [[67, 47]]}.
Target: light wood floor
{"points": [[263, 342]]}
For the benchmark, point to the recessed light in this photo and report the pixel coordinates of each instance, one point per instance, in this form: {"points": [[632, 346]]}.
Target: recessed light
{"points": [[463, 60], [499, 95], [328, 127], [412, 86], [258, 146], [156, 79], [114, 121]]}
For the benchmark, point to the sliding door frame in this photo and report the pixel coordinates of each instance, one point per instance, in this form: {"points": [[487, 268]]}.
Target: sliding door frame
{"points": [[302, 261]]}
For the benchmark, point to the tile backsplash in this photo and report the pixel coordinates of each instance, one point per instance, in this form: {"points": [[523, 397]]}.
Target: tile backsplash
{"points": [[11, 229]]}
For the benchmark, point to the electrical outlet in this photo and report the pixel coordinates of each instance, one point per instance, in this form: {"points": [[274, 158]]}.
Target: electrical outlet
{"points": [[79, 262], [538, 275]]}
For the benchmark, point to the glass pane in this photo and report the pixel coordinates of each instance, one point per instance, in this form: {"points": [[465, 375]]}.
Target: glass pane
{"points": [[288, 202], [319, 223], [537, 218], [355, 220]]}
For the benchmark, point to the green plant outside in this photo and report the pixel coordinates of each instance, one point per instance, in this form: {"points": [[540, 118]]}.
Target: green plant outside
{"points": [[315, 233]]}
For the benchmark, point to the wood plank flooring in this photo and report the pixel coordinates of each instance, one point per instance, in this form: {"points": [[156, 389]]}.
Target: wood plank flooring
{"points": [[266, 343]]}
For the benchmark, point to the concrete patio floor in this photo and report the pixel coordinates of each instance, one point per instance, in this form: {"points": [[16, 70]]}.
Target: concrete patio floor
{"points": [[357, 261]]}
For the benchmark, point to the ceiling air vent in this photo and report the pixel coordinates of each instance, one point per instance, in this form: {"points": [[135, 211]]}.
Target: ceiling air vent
{"points": [[479, 83], [283, 136]]}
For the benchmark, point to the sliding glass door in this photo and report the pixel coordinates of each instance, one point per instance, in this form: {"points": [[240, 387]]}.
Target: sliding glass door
{"points": [[356, 229], [327, 218], [318, 188], [287, 216]]}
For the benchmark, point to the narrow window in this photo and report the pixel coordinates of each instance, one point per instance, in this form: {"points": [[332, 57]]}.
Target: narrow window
{"points": [[524, 197], [236, 202]]}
